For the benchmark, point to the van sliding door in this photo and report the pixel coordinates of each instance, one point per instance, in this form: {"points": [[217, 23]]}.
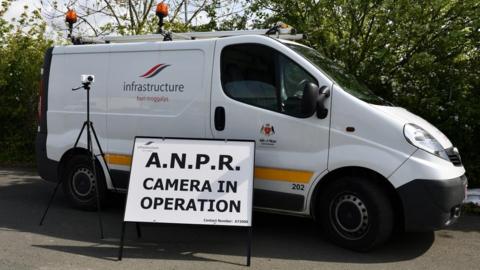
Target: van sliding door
{"points": [[158, 90]]}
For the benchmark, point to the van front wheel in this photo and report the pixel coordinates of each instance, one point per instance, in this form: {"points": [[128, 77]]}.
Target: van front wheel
{"points": [[355, 213], [80, 185]]}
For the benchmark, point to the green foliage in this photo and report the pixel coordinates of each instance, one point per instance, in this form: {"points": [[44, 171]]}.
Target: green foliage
{"points": [[421, 55], [21, 57]]}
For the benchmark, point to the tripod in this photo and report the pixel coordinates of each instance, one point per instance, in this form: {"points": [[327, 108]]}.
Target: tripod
{"points": [[90, 129]]}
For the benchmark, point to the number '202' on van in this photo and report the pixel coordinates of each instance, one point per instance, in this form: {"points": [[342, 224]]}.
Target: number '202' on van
{"points": [[326, 147]]}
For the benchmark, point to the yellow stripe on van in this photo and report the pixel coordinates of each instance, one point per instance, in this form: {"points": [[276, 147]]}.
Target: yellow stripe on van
{"points": [[283, 175], [116, 159], [264, 173]]}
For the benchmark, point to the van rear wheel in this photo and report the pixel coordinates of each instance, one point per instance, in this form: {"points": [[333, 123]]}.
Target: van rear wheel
{"points": [[355, 213], [79, 183]]}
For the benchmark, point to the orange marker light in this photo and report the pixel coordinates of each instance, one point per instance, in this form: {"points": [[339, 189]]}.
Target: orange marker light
{"points": [[162, 9], [71, 16]]}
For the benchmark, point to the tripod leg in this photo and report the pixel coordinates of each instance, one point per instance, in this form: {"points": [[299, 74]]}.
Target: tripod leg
{"points": [[96, 139], [79, 134], [50, 202], [94, 168], [102, 154], [99, 210]]}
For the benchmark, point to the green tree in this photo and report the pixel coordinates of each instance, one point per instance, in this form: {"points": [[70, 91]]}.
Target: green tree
{"points": [[421, 55], [21, 57]]}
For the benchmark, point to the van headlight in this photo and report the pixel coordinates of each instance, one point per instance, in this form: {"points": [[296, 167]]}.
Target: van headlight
{"points": [[420, 138]]}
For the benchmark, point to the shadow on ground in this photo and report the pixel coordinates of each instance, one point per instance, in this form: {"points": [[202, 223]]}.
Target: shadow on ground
{"points": [[23, 197]]}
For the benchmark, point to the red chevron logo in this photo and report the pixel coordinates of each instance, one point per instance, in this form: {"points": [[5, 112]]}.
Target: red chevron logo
{"points": [[154, 70]]}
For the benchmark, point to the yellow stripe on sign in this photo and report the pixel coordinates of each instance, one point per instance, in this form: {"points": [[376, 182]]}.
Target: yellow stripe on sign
{"points": [[116, 159], [264, 173], [283, 175]]}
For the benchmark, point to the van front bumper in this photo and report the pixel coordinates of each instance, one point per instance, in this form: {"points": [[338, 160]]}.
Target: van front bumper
{"points": [[432, 204]]}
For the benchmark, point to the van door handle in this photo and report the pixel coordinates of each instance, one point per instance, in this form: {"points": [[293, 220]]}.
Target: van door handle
{"points": [[219, 118]]}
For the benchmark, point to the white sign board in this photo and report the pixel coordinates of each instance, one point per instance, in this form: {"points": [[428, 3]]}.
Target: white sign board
{"points": [[206, 182]]}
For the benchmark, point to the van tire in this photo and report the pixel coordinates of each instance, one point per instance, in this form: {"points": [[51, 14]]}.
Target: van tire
{"points": [[355, 213], [79, 184]]}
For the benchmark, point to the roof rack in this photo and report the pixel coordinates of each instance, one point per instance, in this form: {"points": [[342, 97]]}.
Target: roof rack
{"points": [[199, 35], [280, 31]]}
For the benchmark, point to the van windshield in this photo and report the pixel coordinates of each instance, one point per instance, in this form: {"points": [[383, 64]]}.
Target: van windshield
{"points": [[345, 80]]}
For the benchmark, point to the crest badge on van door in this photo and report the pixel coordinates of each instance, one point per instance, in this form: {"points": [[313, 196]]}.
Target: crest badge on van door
{"points": [[267, 130]]}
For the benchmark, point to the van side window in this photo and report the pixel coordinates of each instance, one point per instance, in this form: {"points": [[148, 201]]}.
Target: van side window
{"points": [[260, 76], [293, 80], [248, 75]]}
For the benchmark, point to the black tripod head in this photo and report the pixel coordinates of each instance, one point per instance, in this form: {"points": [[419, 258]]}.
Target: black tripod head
{"points": [[87, 80]]}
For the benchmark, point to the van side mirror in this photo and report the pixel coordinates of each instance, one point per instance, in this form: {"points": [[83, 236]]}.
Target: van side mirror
{"points": [[321, 109], [309, 99]]}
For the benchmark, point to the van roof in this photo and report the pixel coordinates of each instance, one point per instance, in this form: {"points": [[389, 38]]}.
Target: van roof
{"points": [[146, 45]]}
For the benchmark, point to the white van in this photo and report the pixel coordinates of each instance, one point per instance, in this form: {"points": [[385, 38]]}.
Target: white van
{"points": [[326, 147]]}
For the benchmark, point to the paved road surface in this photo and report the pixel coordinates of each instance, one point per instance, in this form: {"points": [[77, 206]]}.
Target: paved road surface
{"points": [[70, 240]]}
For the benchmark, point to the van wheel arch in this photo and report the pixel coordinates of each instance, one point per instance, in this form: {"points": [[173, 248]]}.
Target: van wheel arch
{"points": [[80, 158], [374, 177], [66, 158]]}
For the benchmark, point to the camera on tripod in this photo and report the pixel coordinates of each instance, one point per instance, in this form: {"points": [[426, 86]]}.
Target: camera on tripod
{"points": [[87, 78]]}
